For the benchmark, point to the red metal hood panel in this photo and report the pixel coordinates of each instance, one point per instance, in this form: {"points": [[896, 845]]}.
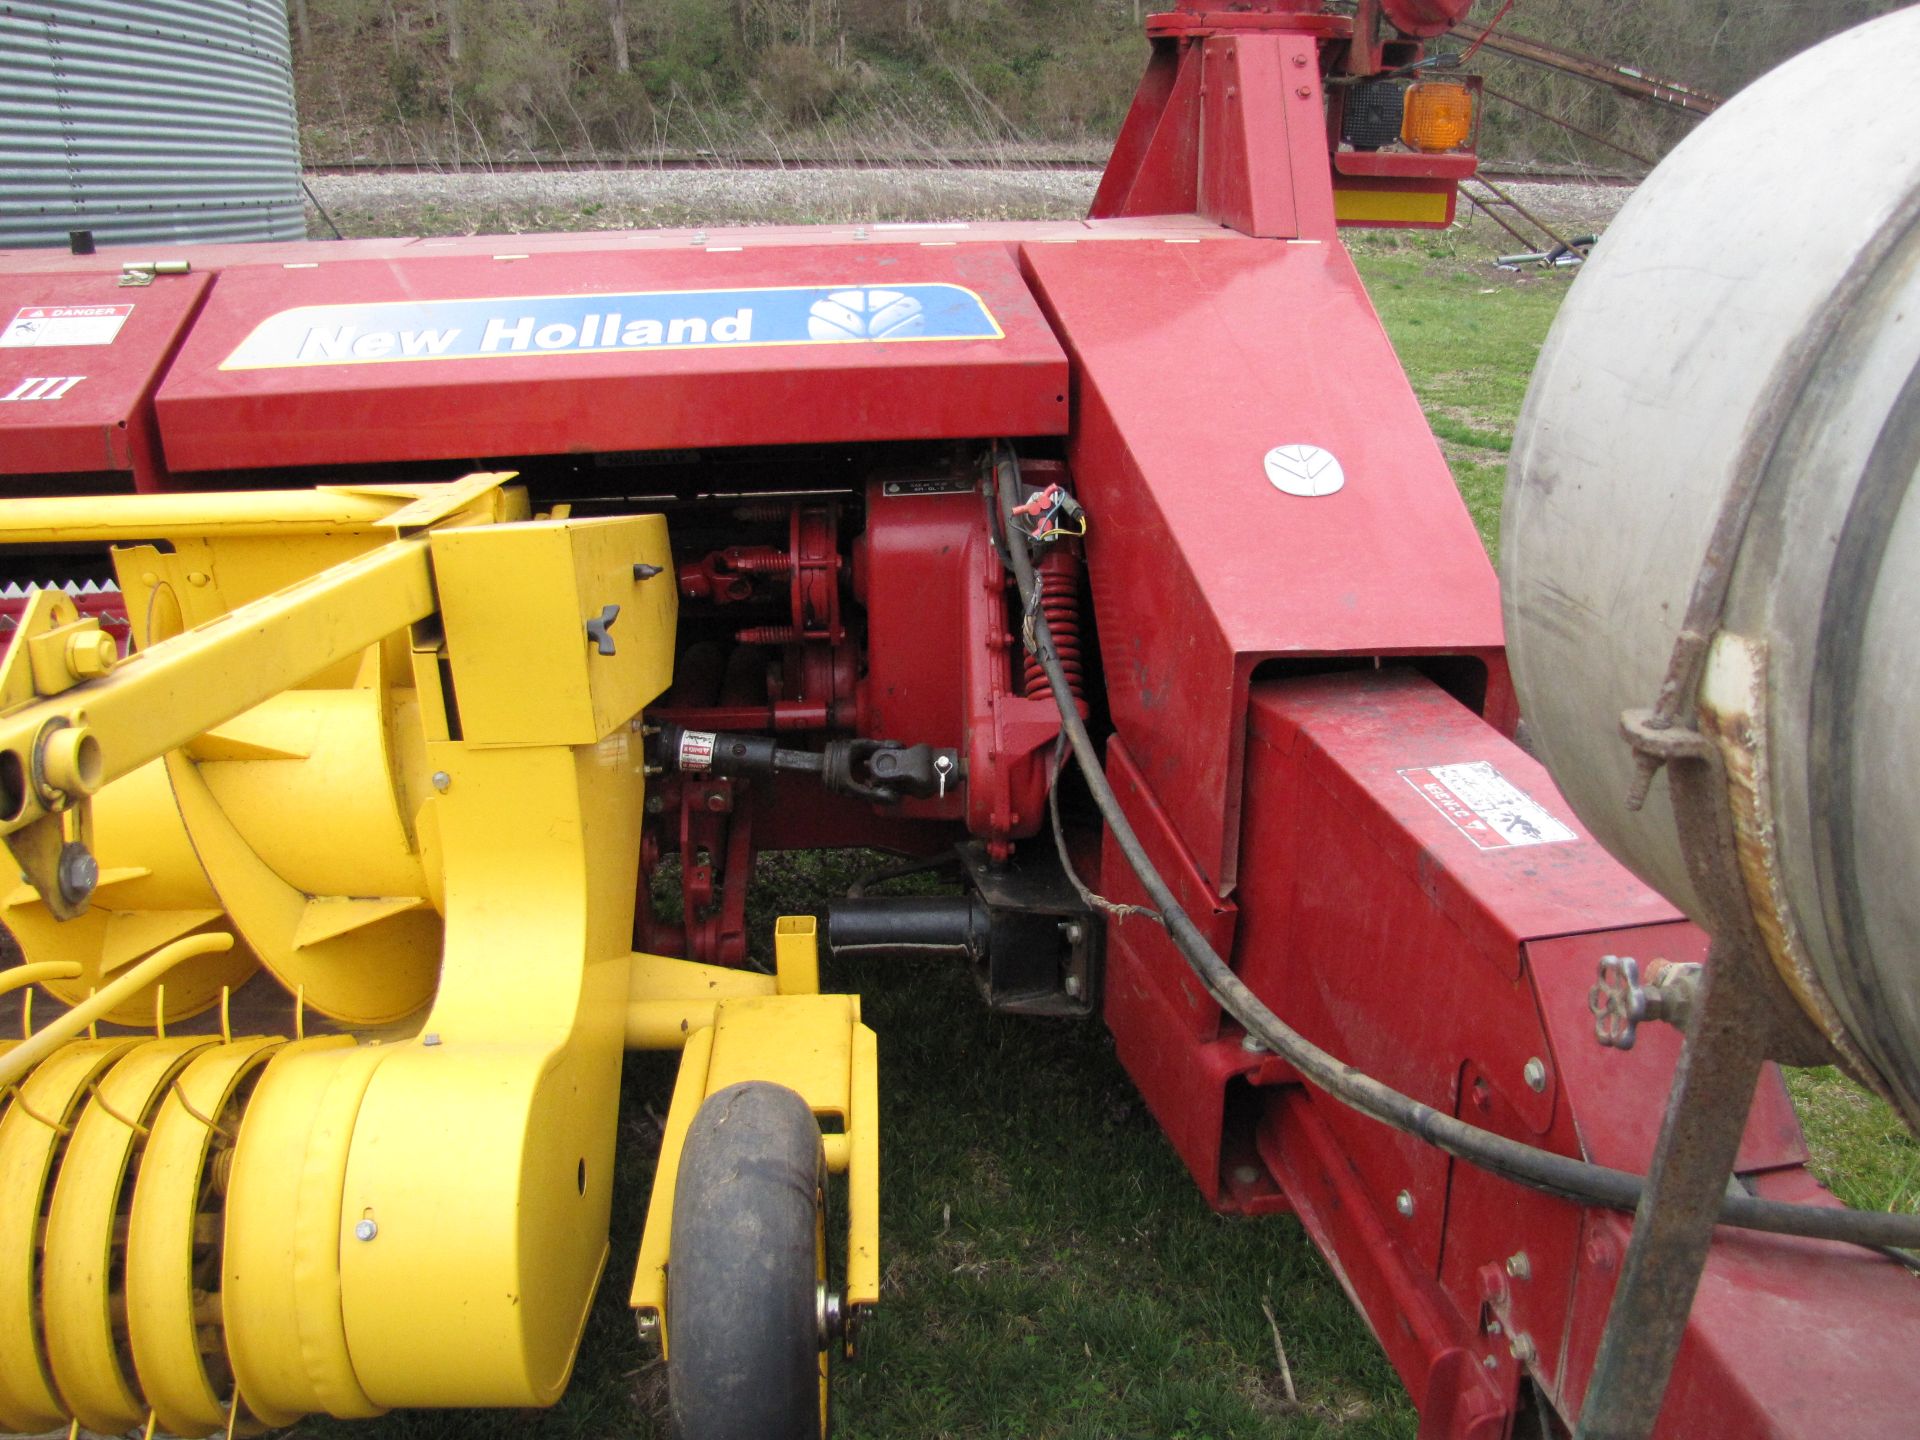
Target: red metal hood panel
{"points": [[1202, 359], [1192, 362], [80, 355], [453, 356]]}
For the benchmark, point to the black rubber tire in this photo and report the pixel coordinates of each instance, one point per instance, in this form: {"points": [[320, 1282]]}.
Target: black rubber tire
{"points": [[743, 1334]]}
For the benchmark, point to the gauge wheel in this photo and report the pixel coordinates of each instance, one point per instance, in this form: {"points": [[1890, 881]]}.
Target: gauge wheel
{"points": [[747, 1357]]}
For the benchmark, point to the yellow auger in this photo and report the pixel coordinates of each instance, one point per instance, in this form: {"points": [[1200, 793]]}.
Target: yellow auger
{"points": [[344, 752]]}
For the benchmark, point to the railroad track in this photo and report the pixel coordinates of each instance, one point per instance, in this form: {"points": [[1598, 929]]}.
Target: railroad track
{"points": [[568, 164]]}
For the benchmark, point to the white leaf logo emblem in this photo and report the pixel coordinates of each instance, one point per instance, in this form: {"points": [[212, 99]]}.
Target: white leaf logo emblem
{"points": [[1304, 470], [866, 315]]}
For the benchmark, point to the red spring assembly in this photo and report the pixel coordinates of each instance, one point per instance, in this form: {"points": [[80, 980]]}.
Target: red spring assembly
{"points": [[1059, 574], [758, 560], [762, 512], [769, 635]]}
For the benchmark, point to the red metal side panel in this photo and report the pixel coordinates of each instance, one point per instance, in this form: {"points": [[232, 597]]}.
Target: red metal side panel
{"points": [[1789, 1339], [1419, 900], [454, 355], [1191, 363], [1263, 162], [80, 356], [1162, 109], [1165, 1025]]}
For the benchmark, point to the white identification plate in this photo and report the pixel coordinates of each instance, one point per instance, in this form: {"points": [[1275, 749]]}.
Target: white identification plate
{"points": [[1486, 807], [38, 325]]}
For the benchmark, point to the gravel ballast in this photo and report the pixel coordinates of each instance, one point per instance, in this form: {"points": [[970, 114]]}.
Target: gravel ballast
{"points": [[515, 202]]}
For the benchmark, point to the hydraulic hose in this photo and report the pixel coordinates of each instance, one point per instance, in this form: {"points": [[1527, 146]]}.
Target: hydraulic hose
{"points": [[1578, 1181]]}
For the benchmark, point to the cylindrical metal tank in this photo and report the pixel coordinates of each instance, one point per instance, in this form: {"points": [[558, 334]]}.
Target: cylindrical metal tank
{"points": [[1735, 372], [147, 121]]}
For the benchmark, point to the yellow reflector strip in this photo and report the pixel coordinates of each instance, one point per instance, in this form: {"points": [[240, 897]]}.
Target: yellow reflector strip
{"points": [[1389, 207], [1438, 117]]}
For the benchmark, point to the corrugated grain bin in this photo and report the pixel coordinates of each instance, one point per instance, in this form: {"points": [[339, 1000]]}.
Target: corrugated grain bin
{"points": [[147, 121]]}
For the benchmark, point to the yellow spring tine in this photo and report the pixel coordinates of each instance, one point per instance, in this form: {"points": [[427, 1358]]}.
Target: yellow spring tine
{"points": [[160, 1011], [20, 1104], [208, 1121], [134, 1125]]}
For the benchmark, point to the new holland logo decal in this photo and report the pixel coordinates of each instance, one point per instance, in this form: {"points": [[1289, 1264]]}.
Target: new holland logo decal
{"points": [[381, 333]]}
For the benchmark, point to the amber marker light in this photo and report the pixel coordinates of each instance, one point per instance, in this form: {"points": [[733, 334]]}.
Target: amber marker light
{"points": [[1438, 116]]}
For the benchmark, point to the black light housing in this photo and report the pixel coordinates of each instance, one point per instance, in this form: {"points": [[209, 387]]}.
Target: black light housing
{"points": [[1370, 119]]}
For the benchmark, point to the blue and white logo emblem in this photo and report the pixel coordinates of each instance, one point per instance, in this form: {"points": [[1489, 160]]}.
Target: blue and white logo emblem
{"points": [[866, 315], [383, 332]]}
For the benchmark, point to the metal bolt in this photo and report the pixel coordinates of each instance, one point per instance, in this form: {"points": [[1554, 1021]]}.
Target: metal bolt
{"points": [[1305, 92], [1495, 1329], [90, 654], [1246, 1174], [647, 1321], [1073, 932], [1252, 1044], [1535, 1074], [1072, 987], [366, 1229], [1403, 1202], [1519, 1266], [655, 805], [442, 781], [1299, 60], [430, 1038], [1522, 1349], [1491, 1362], [77, 873]]}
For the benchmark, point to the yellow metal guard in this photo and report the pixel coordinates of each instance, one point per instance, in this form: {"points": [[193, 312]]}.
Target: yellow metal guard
{"points": [[366, 744]]}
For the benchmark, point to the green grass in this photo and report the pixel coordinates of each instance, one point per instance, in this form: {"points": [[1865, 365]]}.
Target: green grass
{"points": [[1467, 335], [1049, 1269]]}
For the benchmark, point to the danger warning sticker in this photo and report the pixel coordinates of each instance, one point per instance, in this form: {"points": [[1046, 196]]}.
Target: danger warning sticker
{"points": [[696, 749], [38, 325], [1486, 807]]}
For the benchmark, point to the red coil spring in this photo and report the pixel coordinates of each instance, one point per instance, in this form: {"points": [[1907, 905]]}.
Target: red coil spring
{"points": [[764, 560], [1060, 603], [762, 512]]}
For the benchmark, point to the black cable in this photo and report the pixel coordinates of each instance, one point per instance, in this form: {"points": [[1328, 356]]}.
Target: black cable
{"points": [[1578, 1181], [858, 890], [321, 208]]}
